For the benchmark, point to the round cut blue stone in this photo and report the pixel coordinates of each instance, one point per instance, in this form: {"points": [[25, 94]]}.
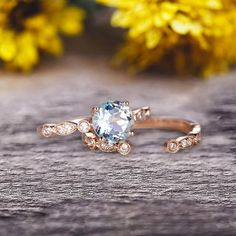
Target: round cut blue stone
{"points": [[113, 121]]}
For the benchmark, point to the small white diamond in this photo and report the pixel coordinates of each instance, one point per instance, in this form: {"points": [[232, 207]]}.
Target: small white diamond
{"points": [[47, 131], [65, 128], [184, 143], [124, 148], [189, 142], [84, 126], [172, 146]]}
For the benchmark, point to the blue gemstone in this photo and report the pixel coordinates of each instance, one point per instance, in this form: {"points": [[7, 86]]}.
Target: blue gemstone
{"points": [[113, 121]]}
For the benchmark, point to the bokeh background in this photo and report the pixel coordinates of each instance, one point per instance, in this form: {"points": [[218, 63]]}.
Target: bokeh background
{"points": [[60, 58]]}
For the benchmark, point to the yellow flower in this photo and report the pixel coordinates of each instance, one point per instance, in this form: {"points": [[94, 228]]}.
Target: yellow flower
{"points": [[28, 27], [185, 36]]}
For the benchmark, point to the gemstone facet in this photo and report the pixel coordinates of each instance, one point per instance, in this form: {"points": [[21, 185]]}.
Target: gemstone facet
{"points": [[113, 121]]}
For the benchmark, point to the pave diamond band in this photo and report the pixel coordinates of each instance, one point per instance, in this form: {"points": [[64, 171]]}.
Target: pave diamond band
{"points": [[110, 125]]}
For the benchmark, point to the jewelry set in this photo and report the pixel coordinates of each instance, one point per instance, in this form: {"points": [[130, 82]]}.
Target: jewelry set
{"points": [[110, 125]]}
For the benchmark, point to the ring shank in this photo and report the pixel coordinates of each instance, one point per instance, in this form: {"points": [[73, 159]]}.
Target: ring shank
{"points": [[181, 125]]}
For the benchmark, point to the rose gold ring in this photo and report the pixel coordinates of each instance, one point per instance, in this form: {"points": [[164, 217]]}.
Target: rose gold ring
{"points": [[110, 125]]}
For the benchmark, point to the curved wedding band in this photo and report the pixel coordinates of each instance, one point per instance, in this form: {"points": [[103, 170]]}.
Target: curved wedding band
{"points": [[111, 124]]}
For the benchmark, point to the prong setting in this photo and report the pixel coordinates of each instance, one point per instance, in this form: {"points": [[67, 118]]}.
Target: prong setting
{"points": [[131, 133], [126, 103], [94, 110]]}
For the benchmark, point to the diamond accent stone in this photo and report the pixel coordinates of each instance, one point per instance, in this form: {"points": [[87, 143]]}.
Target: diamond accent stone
{"points": [[84, 126], [47, 131], [184, 143], [172, 146], [124, 148], [113, 121], [187, 142], [65, 128]]}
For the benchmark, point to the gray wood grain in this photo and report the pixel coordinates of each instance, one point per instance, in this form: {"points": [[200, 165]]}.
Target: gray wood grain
{"points": [[57, 187]]}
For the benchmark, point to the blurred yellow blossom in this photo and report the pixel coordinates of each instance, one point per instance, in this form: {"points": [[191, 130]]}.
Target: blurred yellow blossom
{"points": [[183, 36], [28, 27]]}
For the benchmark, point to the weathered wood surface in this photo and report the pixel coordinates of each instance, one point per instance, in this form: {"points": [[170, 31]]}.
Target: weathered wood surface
{"points": [[57, 187]]}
